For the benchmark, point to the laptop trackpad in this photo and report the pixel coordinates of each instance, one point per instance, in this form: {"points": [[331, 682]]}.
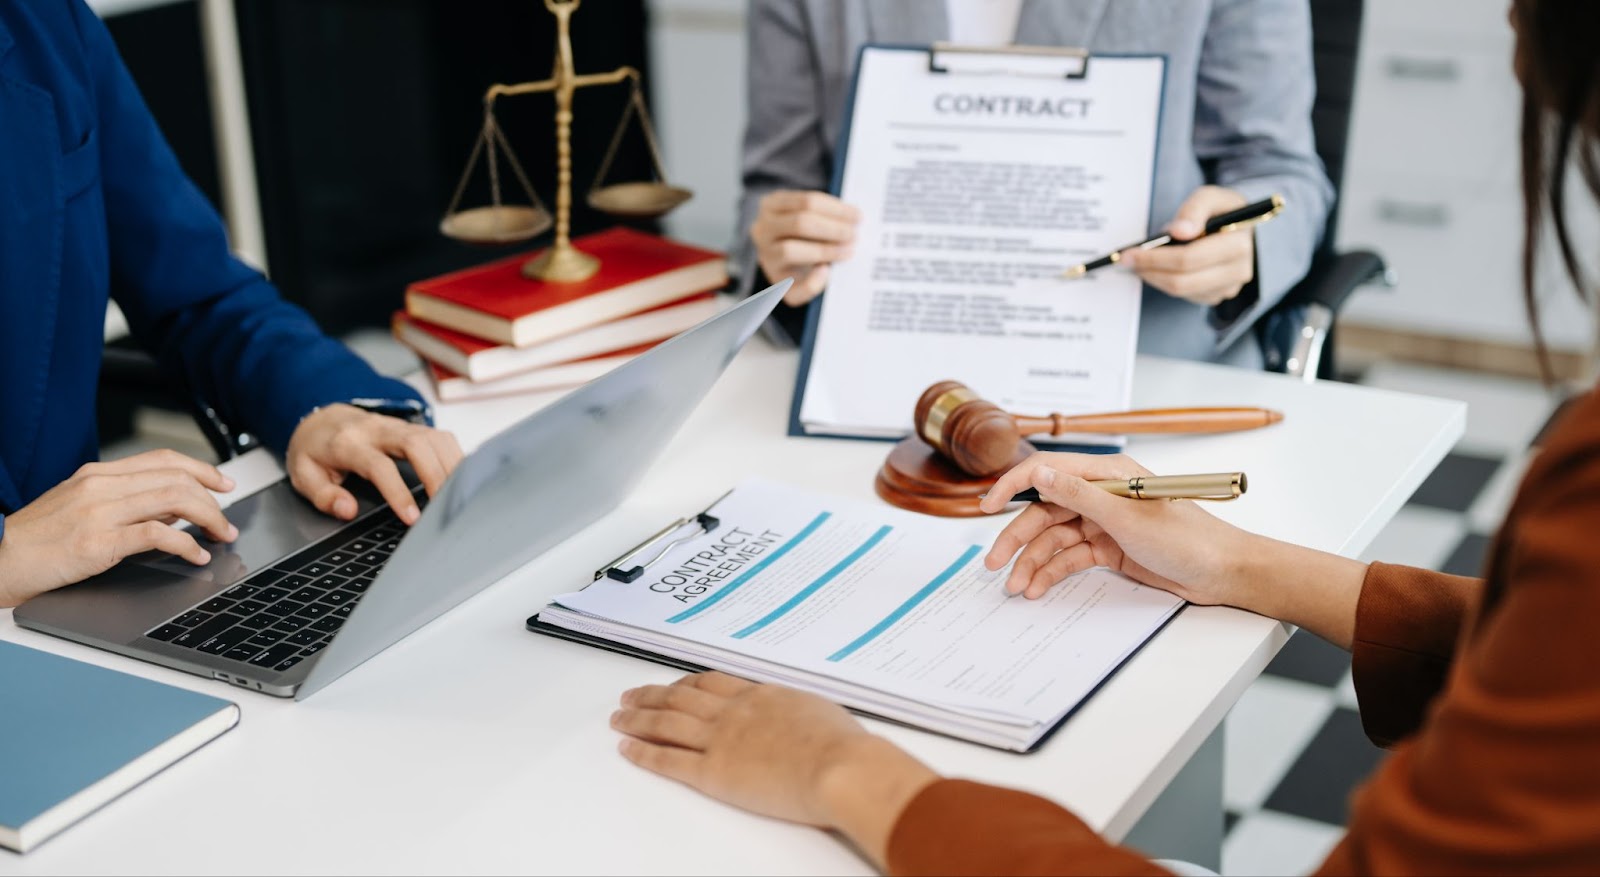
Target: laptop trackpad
{"points": [[273, 524]]}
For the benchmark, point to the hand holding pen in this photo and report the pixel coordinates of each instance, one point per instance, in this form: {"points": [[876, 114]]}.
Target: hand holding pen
{"points": [[1198, 258], [1177, 546]]}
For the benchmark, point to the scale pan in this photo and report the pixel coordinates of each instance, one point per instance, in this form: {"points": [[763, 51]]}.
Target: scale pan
{"points": [[505, 224], [640, 200]]}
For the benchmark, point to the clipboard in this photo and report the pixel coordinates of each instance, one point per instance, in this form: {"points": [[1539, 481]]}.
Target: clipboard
{"points": [[534, 625], [1050, 62], [629, 567]]}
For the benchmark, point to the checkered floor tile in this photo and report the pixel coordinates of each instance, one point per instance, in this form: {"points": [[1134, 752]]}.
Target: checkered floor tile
{"points": [[1295, 749]]}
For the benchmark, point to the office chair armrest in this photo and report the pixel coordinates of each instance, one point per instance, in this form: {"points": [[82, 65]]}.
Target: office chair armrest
{"points": [[1310, 308], [1334, 277]]}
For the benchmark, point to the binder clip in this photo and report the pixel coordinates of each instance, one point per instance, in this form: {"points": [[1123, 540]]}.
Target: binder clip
{"points": [[679, 531]]}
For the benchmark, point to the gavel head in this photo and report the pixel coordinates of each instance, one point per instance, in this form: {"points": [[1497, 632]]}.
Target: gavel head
{"points": [[978, 436]]}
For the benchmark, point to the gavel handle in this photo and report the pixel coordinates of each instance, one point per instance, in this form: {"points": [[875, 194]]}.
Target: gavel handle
{"points": [[1153, 420]]}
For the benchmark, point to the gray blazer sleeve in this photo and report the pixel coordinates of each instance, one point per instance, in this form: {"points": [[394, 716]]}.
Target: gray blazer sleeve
{"points": [[785, 146], [1252, 133]]}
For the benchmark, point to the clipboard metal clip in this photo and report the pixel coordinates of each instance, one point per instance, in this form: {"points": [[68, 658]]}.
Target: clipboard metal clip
{"points": [[627, 569], [1051, 62]]}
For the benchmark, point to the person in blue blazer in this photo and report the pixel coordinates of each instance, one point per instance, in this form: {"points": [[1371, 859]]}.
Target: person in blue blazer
{"points": [[94, 206]]}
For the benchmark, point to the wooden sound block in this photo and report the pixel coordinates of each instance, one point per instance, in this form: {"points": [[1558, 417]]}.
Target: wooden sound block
{"points": [[920, 479]]}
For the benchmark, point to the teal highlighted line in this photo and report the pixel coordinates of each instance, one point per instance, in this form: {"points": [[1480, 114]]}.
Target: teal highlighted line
{"points": [[910, 604], [817, 585], [752, 572]]}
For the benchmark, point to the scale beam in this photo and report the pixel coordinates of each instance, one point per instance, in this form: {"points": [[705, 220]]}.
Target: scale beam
{"points": [[542, 86], [562, 262]]}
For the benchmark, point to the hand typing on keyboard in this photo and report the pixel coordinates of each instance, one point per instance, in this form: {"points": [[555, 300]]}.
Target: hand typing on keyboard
{"points": [[340, 440]]}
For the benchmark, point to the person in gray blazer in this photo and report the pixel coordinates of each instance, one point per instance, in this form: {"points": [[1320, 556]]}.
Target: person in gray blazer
{"points": [[1235, 128]]}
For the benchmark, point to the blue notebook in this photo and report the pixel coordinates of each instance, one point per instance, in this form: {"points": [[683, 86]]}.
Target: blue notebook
{"points": [[74, 736]]}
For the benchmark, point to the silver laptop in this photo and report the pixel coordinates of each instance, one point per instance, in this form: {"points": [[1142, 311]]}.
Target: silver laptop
{"points": [[301, 599]]}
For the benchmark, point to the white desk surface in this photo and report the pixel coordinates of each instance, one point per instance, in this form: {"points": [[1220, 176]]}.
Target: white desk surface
{"points": [[474, 746]]}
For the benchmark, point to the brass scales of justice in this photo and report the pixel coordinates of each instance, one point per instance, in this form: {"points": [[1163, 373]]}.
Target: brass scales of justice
{"points": [[500, 223]]}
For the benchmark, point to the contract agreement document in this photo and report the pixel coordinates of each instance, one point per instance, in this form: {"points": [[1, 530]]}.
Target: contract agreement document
{"points": [[887, 612], [980, 177]]}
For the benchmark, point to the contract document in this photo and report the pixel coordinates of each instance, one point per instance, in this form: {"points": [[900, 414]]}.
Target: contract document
{"points": [[883, 611], [980, 177]]}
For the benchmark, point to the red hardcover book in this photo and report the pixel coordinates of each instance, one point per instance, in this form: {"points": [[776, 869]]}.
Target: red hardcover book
{"points": [[451, 387], [479, 360], [494, 302]]}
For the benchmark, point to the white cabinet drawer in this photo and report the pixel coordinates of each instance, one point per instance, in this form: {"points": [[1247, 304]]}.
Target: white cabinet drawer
{"points": [[1454, 113], [1449, 21], [1456, 251]]}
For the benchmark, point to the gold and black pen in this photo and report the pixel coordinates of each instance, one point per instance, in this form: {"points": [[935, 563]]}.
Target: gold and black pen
{"points": [[1244, 217], [1219, 486]]}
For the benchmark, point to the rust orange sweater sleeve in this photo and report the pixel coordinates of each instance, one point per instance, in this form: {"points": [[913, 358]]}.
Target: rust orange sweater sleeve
{"points": [[960, 827], [1503, 776], [1407, 624]]}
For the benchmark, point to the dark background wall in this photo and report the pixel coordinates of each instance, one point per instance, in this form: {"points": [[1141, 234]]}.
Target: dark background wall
{"points": [[363, 113], [161, 46]]}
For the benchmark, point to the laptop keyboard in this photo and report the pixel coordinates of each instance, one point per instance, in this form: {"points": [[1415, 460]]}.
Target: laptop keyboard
{"points": [[284, 614]]}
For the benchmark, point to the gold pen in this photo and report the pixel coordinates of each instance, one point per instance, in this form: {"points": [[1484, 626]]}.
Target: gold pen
{"points": [[1244, 217], [1218, 487]]}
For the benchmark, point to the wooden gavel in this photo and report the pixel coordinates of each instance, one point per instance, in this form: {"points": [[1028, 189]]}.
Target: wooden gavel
{"points": [[981, 438]]}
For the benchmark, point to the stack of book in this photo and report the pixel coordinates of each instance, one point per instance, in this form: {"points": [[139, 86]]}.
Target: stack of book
{"points": [[488, 331]]}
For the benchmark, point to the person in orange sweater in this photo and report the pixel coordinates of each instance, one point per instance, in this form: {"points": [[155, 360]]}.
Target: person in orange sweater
{"points": [[1487, 690]]}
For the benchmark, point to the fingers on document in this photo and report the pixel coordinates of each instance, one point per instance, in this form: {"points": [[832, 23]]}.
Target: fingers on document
{"points": [[1033, 520], [1041, 551], [1074, 558]]}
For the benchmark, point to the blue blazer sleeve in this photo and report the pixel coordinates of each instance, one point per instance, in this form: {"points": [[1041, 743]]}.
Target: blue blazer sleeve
{"points": [[260, 361]]}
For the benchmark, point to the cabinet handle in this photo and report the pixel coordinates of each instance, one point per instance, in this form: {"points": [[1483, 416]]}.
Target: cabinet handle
{"points": [[1413, 213], [1425, 69]]}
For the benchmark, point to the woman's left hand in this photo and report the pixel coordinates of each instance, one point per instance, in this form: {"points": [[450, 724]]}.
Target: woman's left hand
{"points": [[342, 440], [774, 751]]}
